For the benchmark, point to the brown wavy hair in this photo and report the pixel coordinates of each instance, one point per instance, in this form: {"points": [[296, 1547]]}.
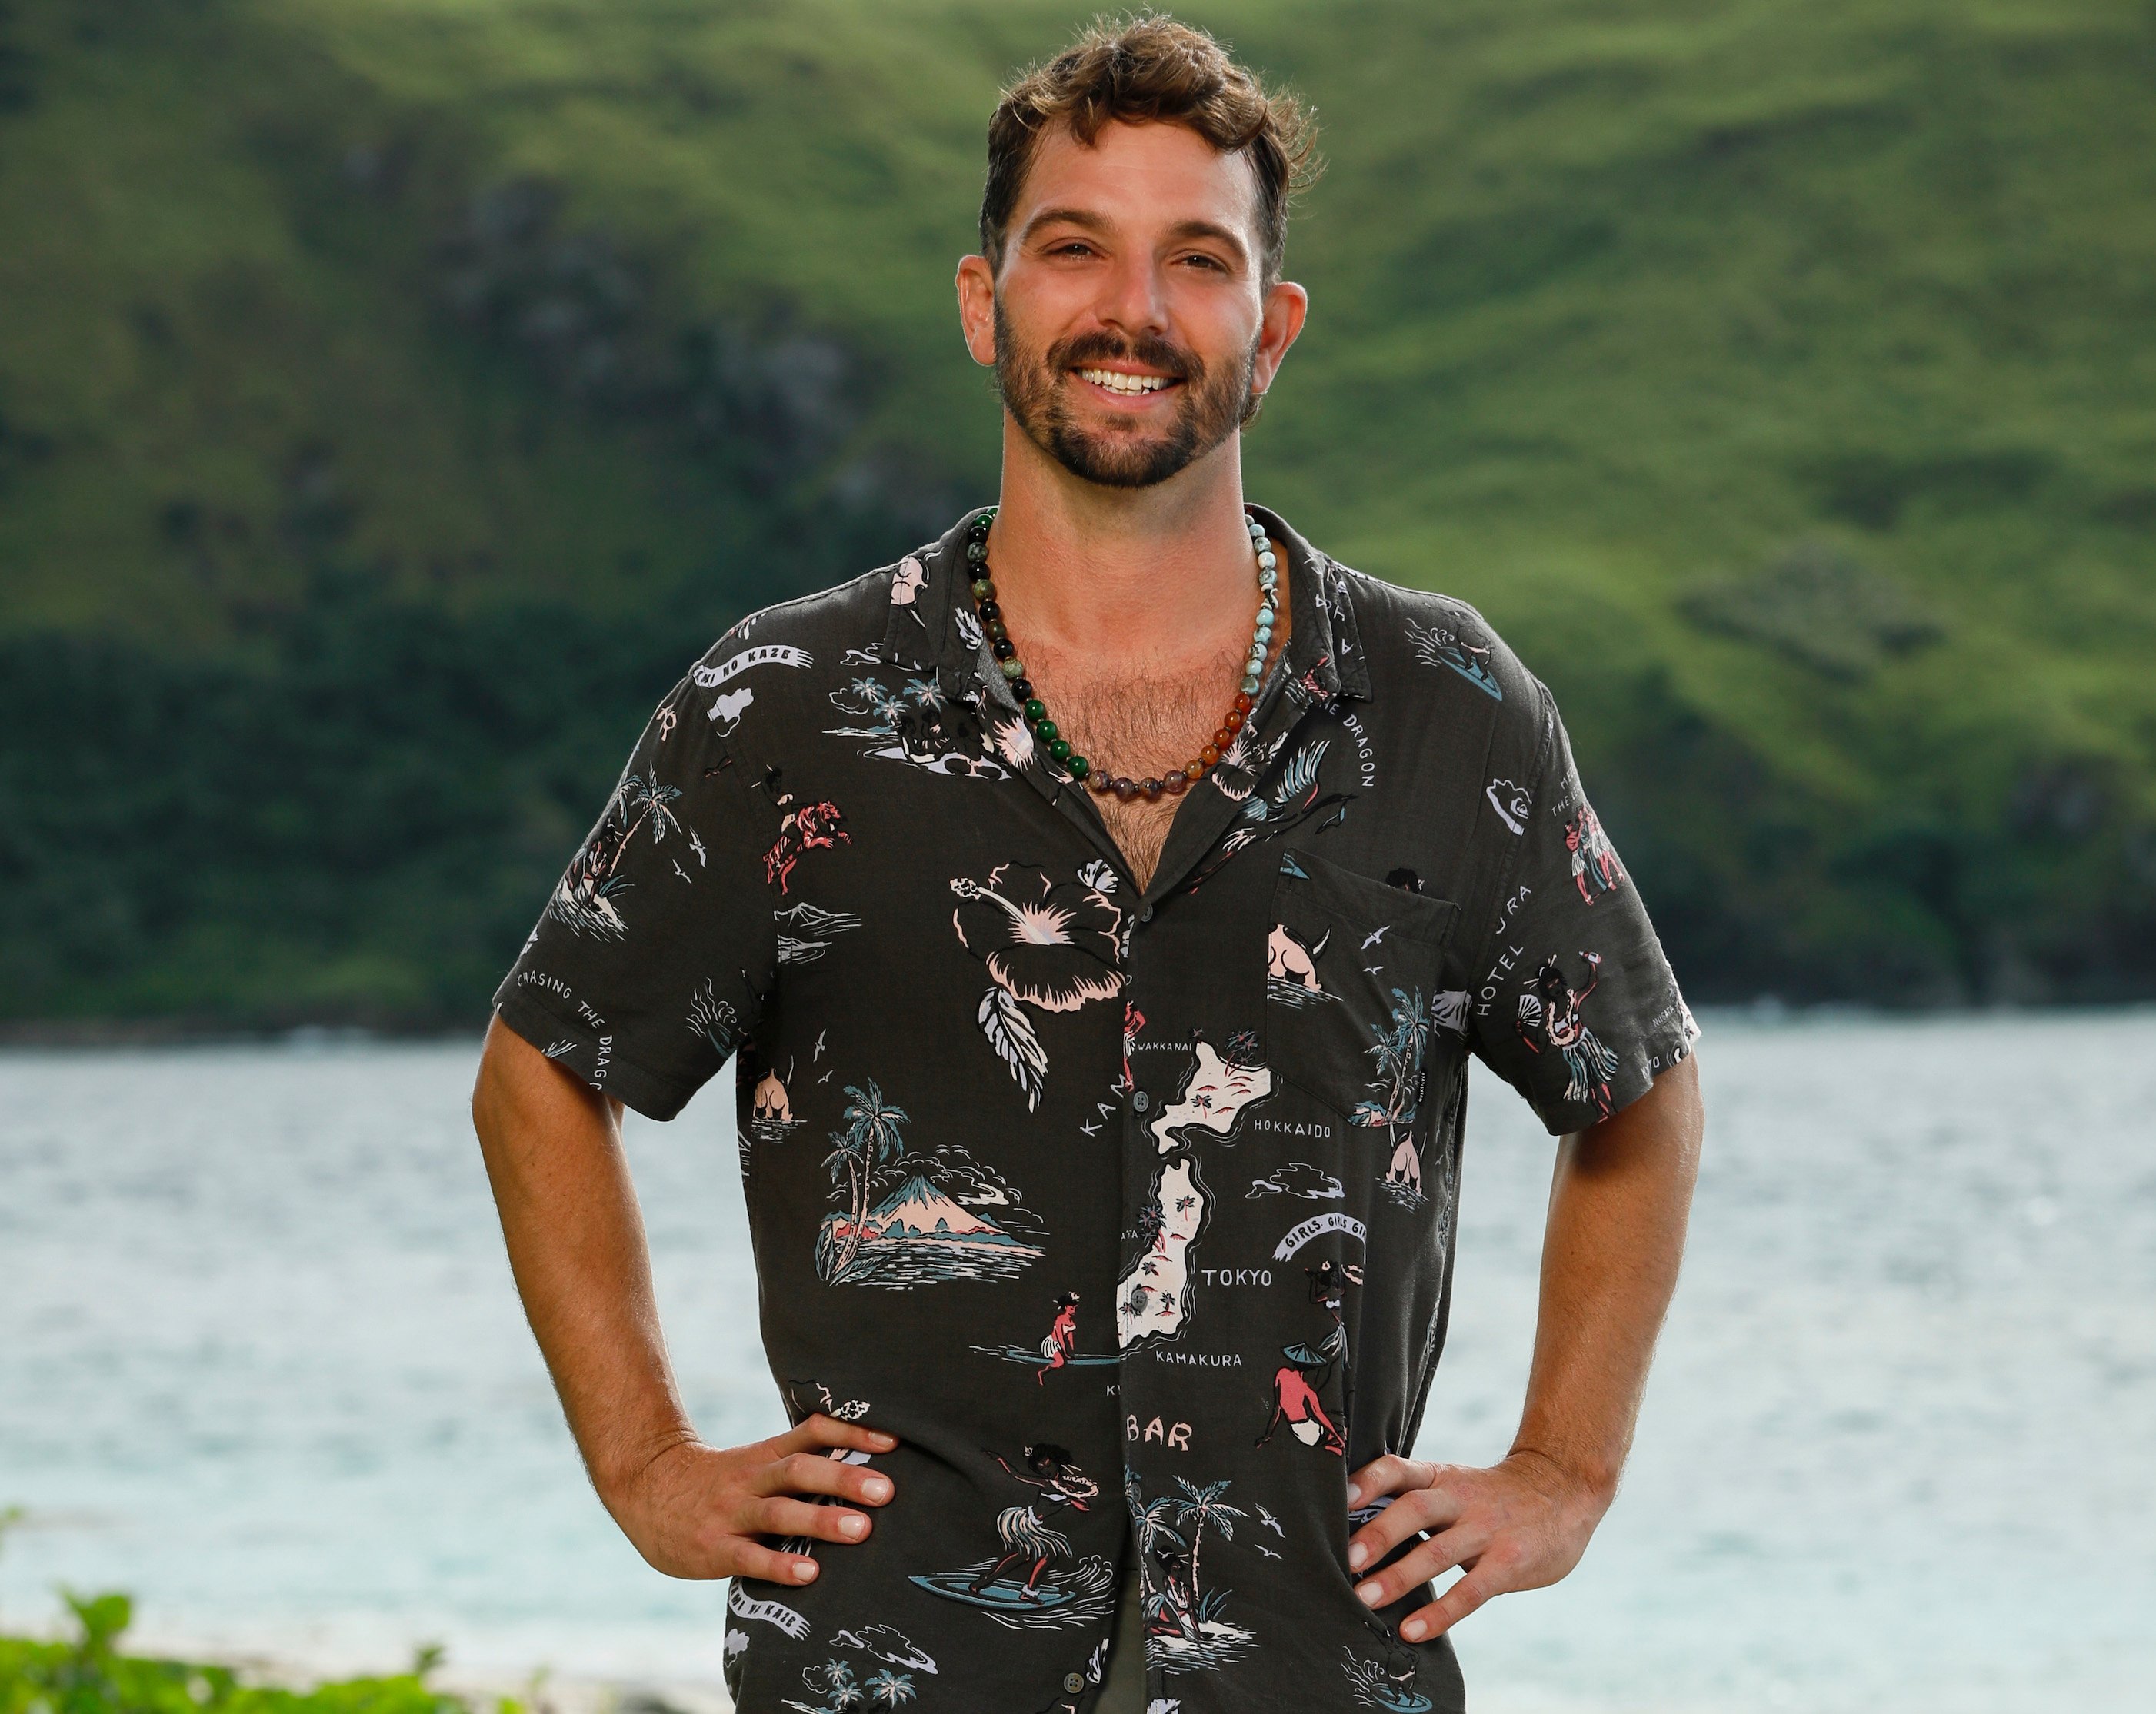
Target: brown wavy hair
{"points": [[1151, 67]]}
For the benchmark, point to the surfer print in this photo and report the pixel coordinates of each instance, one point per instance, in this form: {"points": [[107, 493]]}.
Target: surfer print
{"points": [[1387, 1682], [1058, 1349], [1061, 1587], [1442, 644]]}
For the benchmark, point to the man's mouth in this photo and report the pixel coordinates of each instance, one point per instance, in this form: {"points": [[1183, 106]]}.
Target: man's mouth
{"points": [[1126, 386]]}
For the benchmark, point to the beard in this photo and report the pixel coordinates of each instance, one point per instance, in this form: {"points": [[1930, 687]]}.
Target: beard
{"points": [[1210, 406]]}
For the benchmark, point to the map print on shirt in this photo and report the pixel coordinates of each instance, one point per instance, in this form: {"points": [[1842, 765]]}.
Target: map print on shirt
{"points": [[1152, 1299]]}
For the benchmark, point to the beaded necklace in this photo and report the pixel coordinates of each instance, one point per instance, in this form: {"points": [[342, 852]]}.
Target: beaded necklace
{"points": [[1102, 782]]}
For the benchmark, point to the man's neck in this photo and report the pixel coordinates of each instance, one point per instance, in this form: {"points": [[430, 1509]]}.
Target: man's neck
{"points": [[1108, 571]]}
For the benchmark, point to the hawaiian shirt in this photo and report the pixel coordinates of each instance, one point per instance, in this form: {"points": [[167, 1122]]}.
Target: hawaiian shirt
{"points": [[1129, 1210]]}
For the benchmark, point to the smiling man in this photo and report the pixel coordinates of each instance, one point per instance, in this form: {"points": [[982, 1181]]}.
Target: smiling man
{"points": [[1100, 905]]}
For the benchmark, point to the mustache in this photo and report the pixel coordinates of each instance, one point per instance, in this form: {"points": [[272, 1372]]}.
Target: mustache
{"points": [[1155, 353]]}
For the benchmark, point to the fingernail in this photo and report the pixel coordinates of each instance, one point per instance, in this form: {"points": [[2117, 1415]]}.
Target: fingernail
{"points": [[876, 1488], [804, 1569], [852, 1525], [1370, 1592], [1354, 1494], [1356, 1555], [884, 1439], [1413, 1630]]}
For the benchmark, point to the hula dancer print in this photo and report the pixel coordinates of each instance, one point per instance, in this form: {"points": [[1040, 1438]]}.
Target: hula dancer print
{"points": [[583, 900], [907, 1220], [1050, 945], [1078, 1591], [1550, 1017], [1595, 870], [1185, 1630]]}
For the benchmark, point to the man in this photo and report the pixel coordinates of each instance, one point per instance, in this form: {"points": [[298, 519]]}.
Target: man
{"points": [[1108, 896]]}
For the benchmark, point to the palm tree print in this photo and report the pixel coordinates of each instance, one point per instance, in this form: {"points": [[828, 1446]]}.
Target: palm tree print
{"points": [[1199, 1507], [1399, 1048], [583, 899], [871, 1141], [890, 1688], [1183, 1629]]}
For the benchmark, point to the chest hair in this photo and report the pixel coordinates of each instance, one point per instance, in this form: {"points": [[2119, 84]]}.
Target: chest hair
{"points": [[1141, 719]]}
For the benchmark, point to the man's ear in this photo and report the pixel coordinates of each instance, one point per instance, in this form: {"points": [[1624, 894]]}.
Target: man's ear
{"points": [[1287, 308], [975, 287]]}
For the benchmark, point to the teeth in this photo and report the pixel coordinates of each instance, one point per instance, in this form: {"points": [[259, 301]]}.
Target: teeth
{"points": [[1115, 381]]}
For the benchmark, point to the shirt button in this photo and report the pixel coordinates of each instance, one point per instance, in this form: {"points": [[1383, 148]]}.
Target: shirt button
{"points": [[1146, 914], [1141, 1100], [1074, 1682]]}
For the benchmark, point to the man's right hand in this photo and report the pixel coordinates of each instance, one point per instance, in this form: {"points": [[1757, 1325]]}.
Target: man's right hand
{"points": [[695, 1510]]}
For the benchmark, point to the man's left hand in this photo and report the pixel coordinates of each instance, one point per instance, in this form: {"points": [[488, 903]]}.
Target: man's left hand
{"points": [[1521, 1524]]}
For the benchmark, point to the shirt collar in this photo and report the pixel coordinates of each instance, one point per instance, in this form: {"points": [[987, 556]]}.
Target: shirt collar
{"points": [[1324, 647]]}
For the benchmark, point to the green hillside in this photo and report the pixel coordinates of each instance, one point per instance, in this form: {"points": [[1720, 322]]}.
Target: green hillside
{"points": [[394, 393]]}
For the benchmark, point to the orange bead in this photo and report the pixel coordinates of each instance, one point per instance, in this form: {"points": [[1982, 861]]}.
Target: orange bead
{"points": [[1234, 719], [1195, 771], [1206, 756], [1243, 703], [1223, 738]]}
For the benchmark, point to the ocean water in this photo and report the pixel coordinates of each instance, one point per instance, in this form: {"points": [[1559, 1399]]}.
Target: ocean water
{"points": [[261, 1365]]}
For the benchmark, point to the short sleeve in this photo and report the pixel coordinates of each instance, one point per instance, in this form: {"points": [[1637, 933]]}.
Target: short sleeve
{"points": [[1576, 1006], [651, 961]]}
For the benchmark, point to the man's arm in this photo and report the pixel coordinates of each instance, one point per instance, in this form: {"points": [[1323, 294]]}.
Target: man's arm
{"points": [[553, 1154], [1619, 1201]]}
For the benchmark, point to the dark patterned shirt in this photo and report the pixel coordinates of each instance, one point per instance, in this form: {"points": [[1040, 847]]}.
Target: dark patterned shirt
{"points": [[1129, 1211]]}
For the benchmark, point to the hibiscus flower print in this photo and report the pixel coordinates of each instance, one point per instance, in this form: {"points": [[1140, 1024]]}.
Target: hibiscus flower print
{"points": [[1050, 945]]}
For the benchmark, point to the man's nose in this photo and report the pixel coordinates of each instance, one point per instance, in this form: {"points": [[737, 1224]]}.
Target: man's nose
{"points": [[1131, 298]]}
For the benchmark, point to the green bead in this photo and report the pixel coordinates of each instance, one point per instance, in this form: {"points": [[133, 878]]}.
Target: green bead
{"points": [[984, 590], [1014, 668], [1078, 767], [1036, 710], [1044, 730], [1061, 750]]}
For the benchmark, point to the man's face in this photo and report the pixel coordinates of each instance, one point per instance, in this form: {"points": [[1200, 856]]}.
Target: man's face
{"points": [[1130, 336]]}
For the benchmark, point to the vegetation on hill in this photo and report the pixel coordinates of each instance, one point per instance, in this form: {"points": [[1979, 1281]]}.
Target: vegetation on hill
{"points": [[395, 393]]}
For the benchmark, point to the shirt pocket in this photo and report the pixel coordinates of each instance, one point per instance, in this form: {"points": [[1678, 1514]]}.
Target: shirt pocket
{"points": [[1355, 1015]]}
